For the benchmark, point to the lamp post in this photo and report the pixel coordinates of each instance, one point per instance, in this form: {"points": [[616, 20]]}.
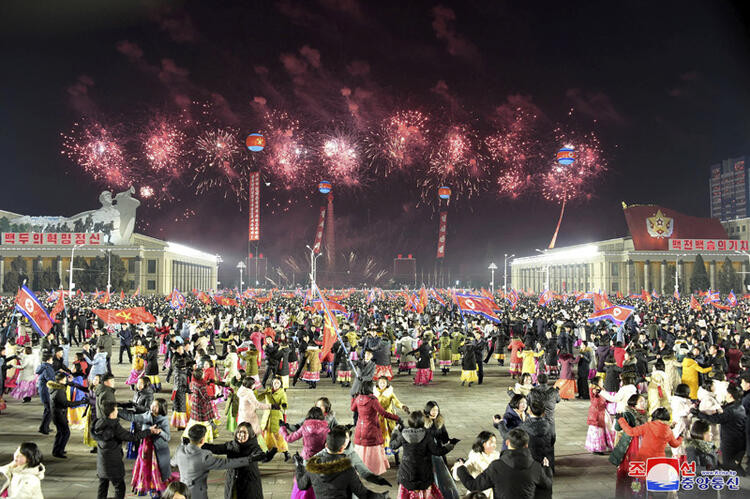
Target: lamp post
{"points": [[546, 269], [219, 261], [70, 286], [109, 268], [241, 265], [313, 263], [505, 272], [492, 268]]}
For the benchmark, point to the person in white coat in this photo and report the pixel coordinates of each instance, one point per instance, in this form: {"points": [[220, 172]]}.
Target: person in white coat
{"points": [[23, 476]]}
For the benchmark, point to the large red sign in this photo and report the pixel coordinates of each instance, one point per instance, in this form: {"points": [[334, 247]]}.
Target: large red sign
{"points": [[441, 234], [254, 224], [652, 226], [730, 245], [52, 238]]}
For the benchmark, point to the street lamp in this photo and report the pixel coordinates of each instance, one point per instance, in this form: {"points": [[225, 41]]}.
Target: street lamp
{"points": [[70, 286], [109, 268], [313, 263], [492, 268], [241, 265], [505, 272], [546, 269]]}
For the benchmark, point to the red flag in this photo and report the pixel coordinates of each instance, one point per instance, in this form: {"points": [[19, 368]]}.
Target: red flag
{"points": [[422, 304], [601, 302], [29, 305], [479, 305], [329, 335], [137, 292], [135, 315], [319, 230], [104, 299], [652, 226], [226, 302], [204, 298], [694, 305], [59, 307], [122, 294]]}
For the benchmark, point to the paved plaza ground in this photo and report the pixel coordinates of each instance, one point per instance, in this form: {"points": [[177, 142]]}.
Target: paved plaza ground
{"points": [[467, 412]]}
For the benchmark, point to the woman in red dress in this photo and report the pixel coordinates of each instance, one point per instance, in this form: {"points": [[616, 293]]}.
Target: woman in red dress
{"points": [[368, 439]]}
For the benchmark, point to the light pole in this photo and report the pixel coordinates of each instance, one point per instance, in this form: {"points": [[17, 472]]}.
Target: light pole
{"points": [[492, 268], [109, 268], [313, 263], [241, 265], [505, 272], [546, 269], [219, 261], [70, 286]]}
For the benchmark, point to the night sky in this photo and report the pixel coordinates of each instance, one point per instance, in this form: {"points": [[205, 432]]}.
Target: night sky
{"points": [[664, 85]]}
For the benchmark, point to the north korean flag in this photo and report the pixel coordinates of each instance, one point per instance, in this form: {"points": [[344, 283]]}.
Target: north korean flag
{"points": [[177, 301], [618, 314], [477, 305], [333, 306], [29, 305], [545, 298], [711, 297], [512, 298], [731, 299]]}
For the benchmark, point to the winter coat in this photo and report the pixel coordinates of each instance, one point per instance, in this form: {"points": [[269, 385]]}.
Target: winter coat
{"points": [[46, 373], [142, 399], [515, 475], [621, 448], [690, 370], [732, 424], [425, 354], [364, 372], [656, 435], [541, 439], [245, 481], [597, 407], [469, 358], [511, 419], [476, 463], [312, 359], [103, 394], [445, 348], [278, 399], [551, 397], [368, 428], [59, 402], [161, 441], [22, 482], [415, 471], [195, 463], [332, 476], [612, 377], [109, 436], [528, 356], [313, 433], [247, 406]]}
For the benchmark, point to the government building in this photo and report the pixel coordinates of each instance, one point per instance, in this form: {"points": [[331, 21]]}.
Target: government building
{"points": [[662, 244], [153, 266]]}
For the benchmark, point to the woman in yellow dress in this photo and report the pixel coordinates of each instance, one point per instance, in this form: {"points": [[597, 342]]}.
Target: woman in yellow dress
{"points": [[276, 396], [529, 357], [690, 370], [388, 400]]}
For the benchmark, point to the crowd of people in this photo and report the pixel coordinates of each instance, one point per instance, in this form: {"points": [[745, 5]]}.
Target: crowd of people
{"points": [[671, 377]]}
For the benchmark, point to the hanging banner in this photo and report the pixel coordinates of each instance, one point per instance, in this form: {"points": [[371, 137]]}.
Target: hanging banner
{"points": [[441, 234], [254, 223], [319, 231]]}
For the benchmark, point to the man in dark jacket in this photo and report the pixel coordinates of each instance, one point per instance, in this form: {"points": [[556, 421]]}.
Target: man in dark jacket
{"points": [[45, 373], [104, 343], [59, 405], [549, 396], [731, 429], [109, 436], [105, 392], [332, 475], [515, 475], [745, 385], [541, 437], [126, 336]]}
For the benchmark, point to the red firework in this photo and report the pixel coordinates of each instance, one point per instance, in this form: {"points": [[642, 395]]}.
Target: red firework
{"points": [[454, 161], [163, 146], [99, 154], [217, 153], [400, 141], [286, 156], [340, 156]]}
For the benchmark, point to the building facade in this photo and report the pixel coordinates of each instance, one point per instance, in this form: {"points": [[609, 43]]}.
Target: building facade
{"points": [[729, 189], [661, 249], [153, 266]]}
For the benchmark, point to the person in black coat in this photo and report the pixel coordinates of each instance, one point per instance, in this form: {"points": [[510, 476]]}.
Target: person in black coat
{"points": [[332, 475], [416, 471], [109, 436], [584, 365], [242, 482], [541, 436], [152, 365], [701, 450], [514, 475], [549, 396], [731, 429], [59, 405]]}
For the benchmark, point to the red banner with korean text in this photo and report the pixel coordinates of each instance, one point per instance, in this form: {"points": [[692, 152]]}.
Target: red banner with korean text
{"points": [[441, 234], [652, 226], [729, 245], [254, 200], [319, 230], [51, 238]]}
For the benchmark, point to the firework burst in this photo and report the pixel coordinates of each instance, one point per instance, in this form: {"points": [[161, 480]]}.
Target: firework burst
{"points": [[340, 156], [455, 162], [574, 182], [163, 146], [217, 152], [286, 157], [99, 153], [400, 141]]}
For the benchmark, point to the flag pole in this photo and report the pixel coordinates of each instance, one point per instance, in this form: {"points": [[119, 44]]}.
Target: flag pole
{"points": [[334, 326]]}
